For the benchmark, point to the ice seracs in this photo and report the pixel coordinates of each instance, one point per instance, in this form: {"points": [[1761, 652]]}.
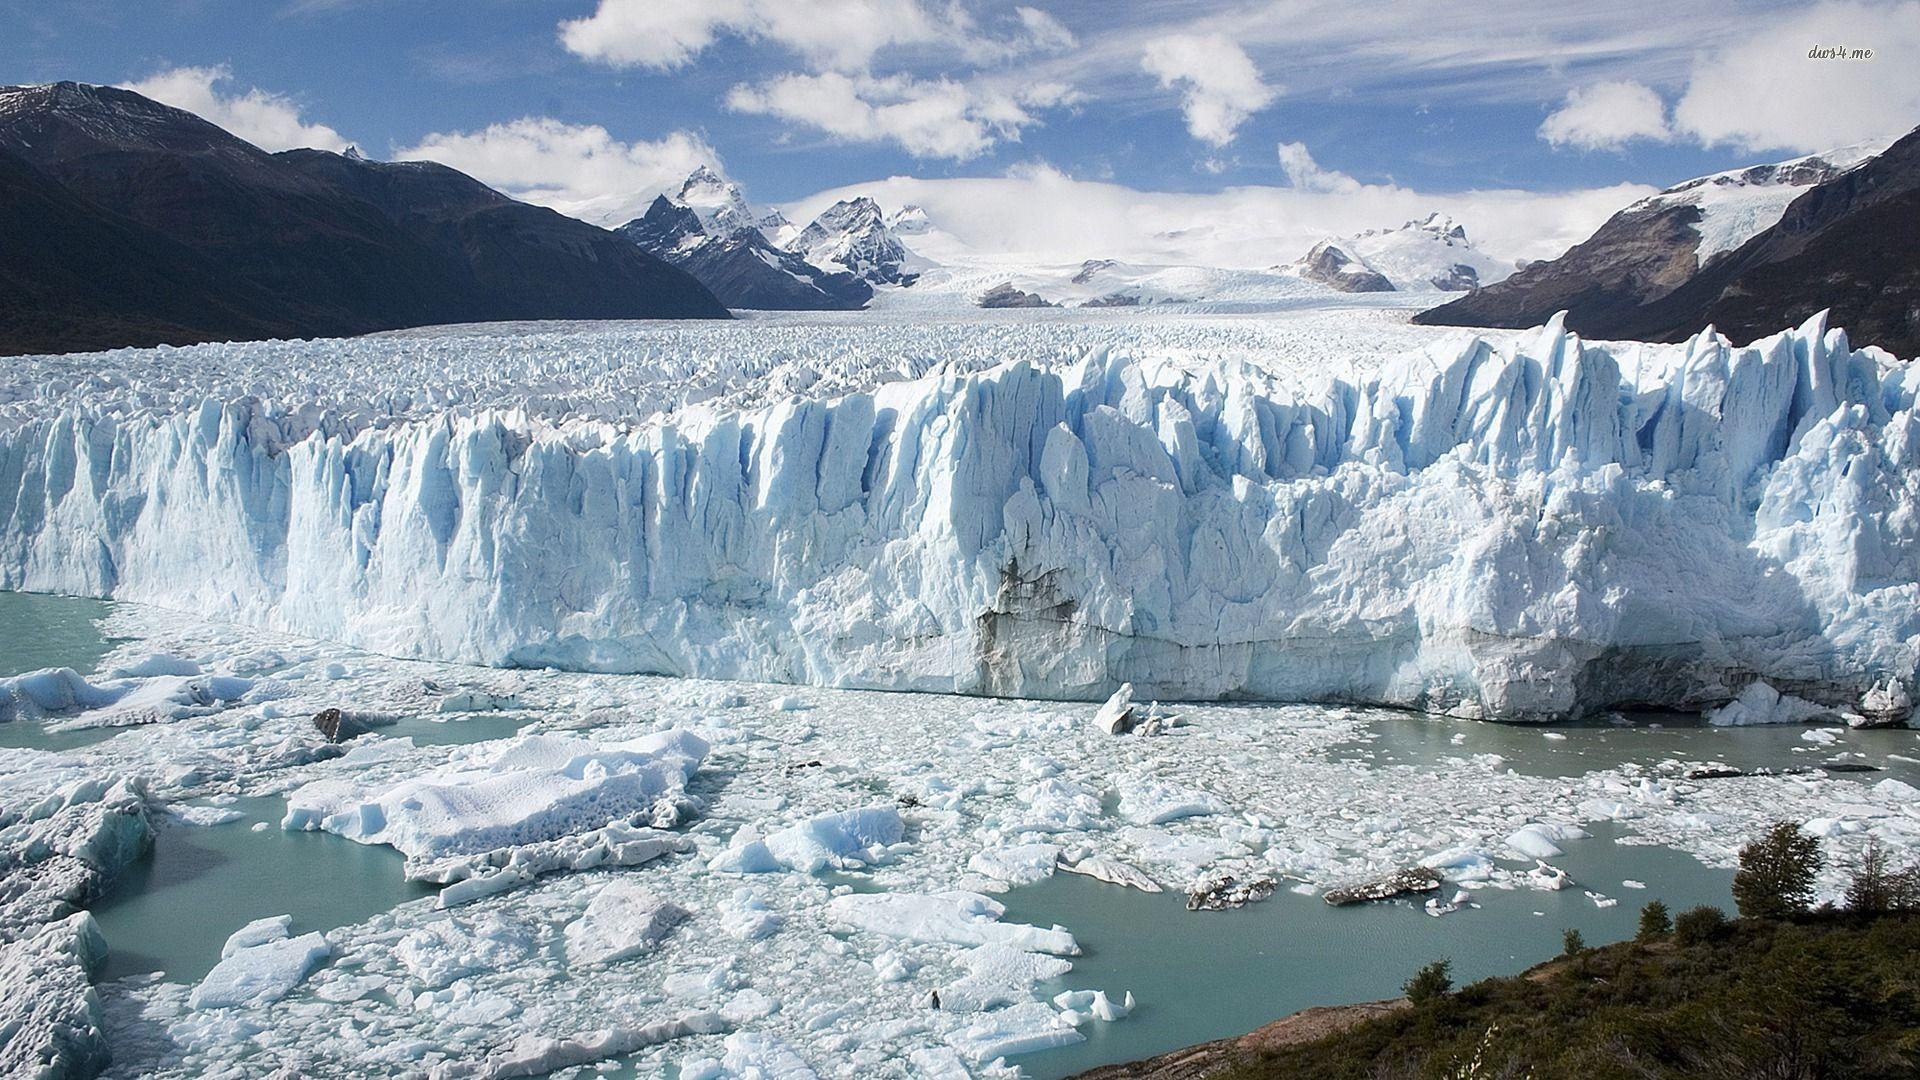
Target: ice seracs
{"points": [[1518, 530]]}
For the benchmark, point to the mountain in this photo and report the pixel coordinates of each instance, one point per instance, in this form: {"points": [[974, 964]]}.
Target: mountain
{"points": [[229, 241], [1419, 256], [718, 243], [711, 232], [1332, 266], [853, 234], [1743, 251], [74, 277]]}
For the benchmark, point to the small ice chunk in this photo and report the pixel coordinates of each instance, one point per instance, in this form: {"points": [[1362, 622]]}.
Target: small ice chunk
{"points": [[956, 918], [1116, 717], [998, 975], [1020, 1029], [933, 1063], [533, 1054], [1022, 864], [1893, 790], [258, 932], [442, 952], [1093, 1003], [259, 974], [1148, 801], [842, 840], [623, 919], [1113, 872], [1632, 884], [205, 816], [1533, 842], [747, 916], [753, 1055]]}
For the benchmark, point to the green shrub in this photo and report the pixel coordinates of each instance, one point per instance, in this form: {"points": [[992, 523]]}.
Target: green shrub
{"points": [[1775, 879], [1655, 922], [1697, 926], [1430, 983], [1876, 886], [1571, 943]]}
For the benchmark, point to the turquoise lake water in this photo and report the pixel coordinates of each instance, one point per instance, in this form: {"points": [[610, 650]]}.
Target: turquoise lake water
{"points": [[1197, 975]]}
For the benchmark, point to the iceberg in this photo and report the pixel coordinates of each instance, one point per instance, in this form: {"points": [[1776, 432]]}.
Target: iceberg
{"points": [[955, 918], [259, 974], [521, 793], [1518, 529]]}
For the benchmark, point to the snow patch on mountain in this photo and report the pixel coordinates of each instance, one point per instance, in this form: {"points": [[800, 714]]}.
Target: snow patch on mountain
{"points": [[1432, 253], [1740, 204]]}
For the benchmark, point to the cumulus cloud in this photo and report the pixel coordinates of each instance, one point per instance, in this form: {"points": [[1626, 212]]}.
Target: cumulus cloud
{"points": [[831, 35], [1305, 174], [1764, 92], [1036, 213], [577, 169], [267, 120], [938, 118], [1219, 85], [1606, 116]]}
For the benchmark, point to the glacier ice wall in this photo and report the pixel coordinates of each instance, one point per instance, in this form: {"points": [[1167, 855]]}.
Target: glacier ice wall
{"points": [[1518, 533]]}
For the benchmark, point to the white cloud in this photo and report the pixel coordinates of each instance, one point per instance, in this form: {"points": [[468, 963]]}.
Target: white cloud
{"points": [[1764, 92], [267, 120], [937, 118], [581, 170], [1305, 174], [1219, 86], [1606, 116], [1038, 214], [1043, 32], [831, 35]]}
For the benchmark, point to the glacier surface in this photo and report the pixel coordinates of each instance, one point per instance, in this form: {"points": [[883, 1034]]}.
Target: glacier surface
{"points": [[1517, 528]]}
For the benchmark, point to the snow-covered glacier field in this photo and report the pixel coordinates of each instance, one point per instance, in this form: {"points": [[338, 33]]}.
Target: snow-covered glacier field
{"points": [[617, 613], [1319, 505]]}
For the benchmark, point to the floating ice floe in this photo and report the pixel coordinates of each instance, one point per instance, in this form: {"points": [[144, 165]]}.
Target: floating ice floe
{"points": [[842, 839], [955, 918], [262, 973], [1113, 872], [1018, 1029], [1022, 864], [623, 919], [521, 791], [146, 692]]}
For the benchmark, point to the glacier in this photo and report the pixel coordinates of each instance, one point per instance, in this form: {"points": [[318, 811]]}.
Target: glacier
{"points": [[1519, 528]]}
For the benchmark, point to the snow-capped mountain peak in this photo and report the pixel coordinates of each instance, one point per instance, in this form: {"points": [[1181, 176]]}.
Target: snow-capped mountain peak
{"points": [[909, 220], [722, 209], [853, 234], [1421, 255]]}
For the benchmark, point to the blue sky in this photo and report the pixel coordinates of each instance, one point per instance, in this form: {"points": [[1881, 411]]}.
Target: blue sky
{"points": [[796, 96]]}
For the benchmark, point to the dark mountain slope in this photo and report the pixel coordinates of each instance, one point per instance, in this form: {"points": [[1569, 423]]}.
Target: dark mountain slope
{"points": [[75, 278], [1850, 242], [308, 243]]}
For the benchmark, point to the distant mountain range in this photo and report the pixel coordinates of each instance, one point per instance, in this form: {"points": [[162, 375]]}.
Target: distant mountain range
{"points": [[1419, 256], [757, 260], [1748, 251], [127, 222]]}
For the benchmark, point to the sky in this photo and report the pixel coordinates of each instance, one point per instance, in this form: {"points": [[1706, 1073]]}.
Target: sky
{"points": [[1529, 122]]}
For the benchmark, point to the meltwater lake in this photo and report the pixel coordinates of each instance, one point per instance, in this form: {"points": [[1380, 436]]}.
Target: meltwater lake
{"points": [[1197, 976]]}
